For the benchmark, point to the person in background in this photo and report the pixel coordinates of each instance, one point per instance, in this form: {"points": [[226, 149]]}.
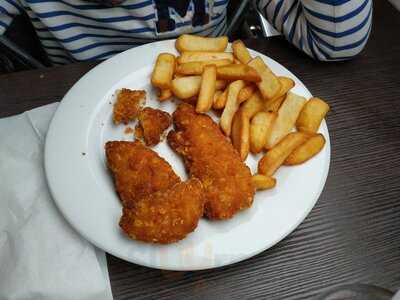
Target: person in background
{"points": [[83, 30], [324, 29]]}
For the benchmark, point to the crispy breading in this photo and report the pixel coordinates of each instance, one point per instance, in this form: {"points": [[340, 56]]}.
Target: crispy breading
{"points": [[165, 216], [128, 105], [209, 156], [152, 124], [138, 170]]}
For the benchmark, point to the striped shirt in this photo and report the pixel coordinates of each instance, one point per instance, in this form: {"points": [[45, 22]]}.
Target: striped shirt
{"points": [[77, 30], [324, 29]]}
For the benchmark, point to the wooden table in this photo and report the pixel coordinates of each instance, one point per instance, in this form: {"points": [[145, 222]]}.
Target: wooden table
{"points": [[351, 235]]}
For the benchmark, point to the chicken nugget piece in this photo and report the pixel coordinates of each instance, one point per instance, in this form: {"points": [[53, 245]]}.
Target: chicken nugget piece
{"points": [[137, 170], [209, 156], [128, 105], [152, 124], [165, 216]]}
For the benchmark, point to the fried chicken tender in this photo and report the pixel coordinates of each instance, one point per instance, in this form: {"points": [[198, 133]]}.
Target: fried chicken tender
{"points": [[138, 170], [165, 216], [209, 156], [152, 124], [128, 105]]}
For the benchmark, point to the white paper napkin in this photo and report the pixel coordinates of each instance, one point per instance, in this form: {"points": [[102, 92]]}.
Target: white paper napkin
{"points": [[41, 256]]}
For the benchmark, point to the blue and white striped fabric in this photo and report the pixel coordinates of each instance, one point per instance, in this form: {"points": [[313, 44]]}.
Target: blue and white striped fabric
{"points": [[77, 30], [324, 29]]}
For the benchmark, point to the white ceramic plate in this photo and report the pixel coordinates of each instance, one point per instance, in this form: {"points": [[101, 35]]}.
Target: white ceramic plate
{"points": [[83, 189]]}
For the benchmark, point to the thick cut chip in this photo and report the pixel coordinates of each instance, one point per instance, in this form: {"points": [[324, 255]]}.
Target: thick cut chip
{"points": [[277, 155], [188, 42], [287, 116], [269, 85], [312, 115], [163, 71]]}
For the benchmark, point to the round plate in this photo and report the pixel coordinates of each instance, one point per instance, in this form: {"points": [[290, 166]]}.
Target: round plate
{"points": [[83, 189]]}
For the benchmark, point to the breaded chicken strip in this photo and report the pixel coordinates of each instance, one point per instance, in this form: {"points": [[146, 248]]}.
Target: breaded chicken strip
{"points": [[209, 156], [138, 170], [152, 124], [128, 105], [165, 216]]}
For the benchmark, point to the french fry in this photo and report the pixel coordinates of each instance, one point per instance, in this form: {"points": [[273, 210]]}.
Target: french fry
{"points": [[312, 115], [220, 101], [246, 92], [269, 85], [207, 89], [240, 134], [286, 85], [259, 127], [262, 182], [189, 56], [189, 86], [176, 75], [287, 116], [220, 84], [275, 157], [274, 106], [231, 106], [188, 42], [196, 67], [240, 52], [163, 71], [306, 151], [236, 61], [164, 95], [253, 105], [238, 72], [186, 87], [216, 95]]}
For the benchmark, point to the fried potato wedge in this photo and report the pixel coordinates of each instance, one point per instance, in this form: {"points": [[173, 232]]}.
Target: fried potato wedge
{"points": [[312, 115], [189, 56], [164, 95], [286, 85], [221, 84], [238, 72], [240, 52], [163, 71], [306, 151], [189, 86], [232, 105], [240, 134], [207, 89], [246, 92], [269, 85], [287, 116], [186, 87], [253, 105], [260, 125], [188, 42], [275, 157], [262, 182], [197, 67], [216, 95], [220, 101], [274, 105]]}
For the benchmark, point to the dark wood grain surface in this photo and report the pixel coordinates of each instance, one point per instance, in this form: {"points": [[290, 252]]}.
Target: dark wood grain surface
{"points": [[351, 235]]}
